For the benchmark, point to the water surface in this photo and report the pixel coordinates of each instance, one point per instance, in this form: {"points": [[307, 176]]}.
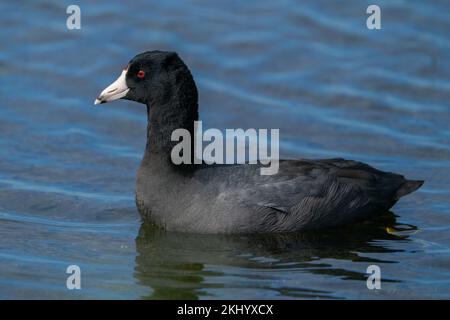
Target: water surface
{"points": [[313, 70]]}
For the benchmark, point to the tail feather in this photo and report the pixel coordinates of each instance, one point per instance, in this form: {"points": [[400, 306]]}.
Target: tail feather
{"points": [[408, 187]]}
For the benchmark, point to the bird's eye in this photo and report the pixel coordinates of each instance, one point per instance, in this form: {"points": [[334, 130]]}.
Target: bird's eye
{"points": [[141, 74]]}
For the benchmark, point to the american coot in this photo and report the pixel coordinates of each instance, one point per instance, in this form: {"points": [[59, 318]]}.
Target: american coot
{"points": [[303, 195]]}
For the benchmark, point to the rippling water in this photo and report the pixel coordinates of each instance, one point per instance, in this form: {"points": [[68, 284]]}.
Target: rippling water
{"points": [[333, 87]]}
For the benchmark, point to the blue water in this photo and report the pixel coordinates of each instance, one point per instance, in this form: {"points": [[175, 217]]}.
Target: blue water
{"points": [[311, 69]]}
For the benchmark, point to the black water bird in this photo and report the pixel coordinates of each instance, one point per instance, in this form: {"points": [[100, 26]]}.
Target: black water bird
{"points": [[303, 195]]}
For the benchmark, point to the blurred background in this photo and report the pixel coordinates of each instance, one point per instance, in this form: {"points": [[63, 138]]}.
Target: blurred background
{"points": [[310, 68]]}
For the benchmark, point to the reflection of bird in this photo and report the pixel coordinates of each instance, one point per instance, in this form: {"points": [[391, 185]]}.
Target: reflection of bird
{"points": [[188, 266], [304, 194]]}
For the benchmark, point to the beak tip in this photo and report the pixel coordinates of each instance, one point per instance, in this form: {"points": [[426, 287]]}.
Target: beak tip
{"points": [[97, 101]]}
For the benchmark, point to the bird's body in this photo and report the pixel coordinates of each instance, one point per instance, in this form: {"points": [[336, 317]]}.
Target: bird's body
{"points": [[303, 195]]}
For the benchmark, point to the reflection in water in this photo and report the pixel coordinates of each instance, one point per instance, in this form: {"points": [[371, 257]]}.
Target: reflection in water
{"points": [[181, 266]]}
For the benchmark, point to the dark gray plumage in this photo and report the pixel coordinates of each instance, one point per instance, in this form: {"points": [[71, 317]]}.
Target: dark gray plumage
{"points": [[305, 194]]}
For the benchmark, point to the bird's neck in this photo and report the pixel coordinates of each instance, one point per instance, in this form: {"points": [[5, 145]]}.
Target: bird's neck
{"points": [[164, 116]]}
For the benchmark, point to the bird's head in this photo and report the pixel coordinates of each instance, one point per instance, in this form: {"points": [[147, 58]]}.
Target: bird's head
{"points": [[150, 76]]}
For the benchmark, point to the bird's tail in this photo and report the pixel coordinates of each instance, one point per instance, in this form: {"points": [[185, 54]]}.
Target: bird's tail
{"points": [[408, 187]]}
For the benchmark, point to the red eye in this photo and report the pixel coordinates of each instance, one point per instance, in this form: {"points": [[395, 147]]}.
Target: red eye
{"points": [[141, 74]]}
